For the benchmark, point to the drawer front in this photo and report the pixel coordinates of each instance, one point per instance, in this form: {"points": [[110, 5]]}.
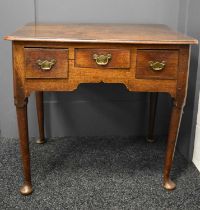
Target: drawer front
{"points": [[157, 64], [102, 58], [46, 63]]}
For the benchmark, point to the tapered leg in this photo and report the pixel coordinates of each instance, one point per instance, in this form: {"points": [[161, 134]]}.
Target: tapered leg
{"points": [[171, 144], [26, 189], [40, 114], [152, 116]]}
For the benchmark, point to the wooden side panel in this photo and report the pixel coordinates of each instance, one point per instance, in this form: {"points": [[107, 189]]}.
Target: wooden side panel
{"points": [[183, 73]]}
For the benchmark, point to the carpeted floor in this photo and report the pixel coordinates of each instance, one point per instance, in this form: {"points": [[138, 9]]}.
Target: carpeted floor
{"points": [[96, 173]]}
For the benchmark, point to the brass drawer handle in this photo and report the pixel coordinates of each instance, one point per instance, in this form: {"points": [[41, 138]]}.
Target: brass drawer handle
{"points": [[46, 65], [157, 66], [102, 60]]}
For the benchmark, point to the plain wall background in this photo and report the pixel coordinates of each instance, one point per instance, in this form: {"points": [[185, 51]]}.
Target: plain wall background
{"points": [[93, 109], [119, 11], [13, 14]]}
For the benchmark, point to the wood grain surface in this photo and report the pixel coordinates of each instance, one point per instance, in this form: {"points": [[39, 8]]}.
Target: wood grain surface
{"points": [[101, 33]]}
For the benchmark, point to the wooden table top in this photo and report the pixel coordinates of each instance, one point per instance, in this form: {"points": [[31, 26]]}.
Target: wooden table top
{"points": [[101, 33]]}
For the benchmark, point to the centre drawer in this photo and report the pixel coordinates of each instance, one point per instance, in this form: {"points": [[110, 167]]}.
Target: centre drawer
{"points": [[102, 58], [46, 63]]}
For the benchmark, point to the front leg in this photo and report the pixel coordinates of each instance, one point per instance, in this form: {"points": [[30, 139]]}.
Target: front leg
{"points": [[21, 108], [171, 144]]}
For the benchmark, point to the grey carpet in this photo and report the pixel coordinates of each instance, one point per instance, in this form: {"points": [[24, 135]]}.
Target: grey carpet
{"points": [[96, 173]]}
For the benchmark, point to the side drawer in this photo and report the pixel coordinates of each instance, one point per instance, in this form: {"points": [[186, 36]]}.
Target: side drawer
{"points": [[46, 63], [102, 58], [157, 64]]}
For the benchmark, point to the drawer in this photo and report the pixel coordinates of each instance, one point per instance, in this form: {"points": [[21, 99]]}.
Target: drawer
{"points": [[157, 64], [102, 58], [46, 63]]}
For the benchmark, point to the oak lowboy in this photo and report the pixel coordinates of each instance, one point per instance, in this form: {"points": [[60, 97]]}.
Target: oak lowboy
{"points": [[145, 58]]}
